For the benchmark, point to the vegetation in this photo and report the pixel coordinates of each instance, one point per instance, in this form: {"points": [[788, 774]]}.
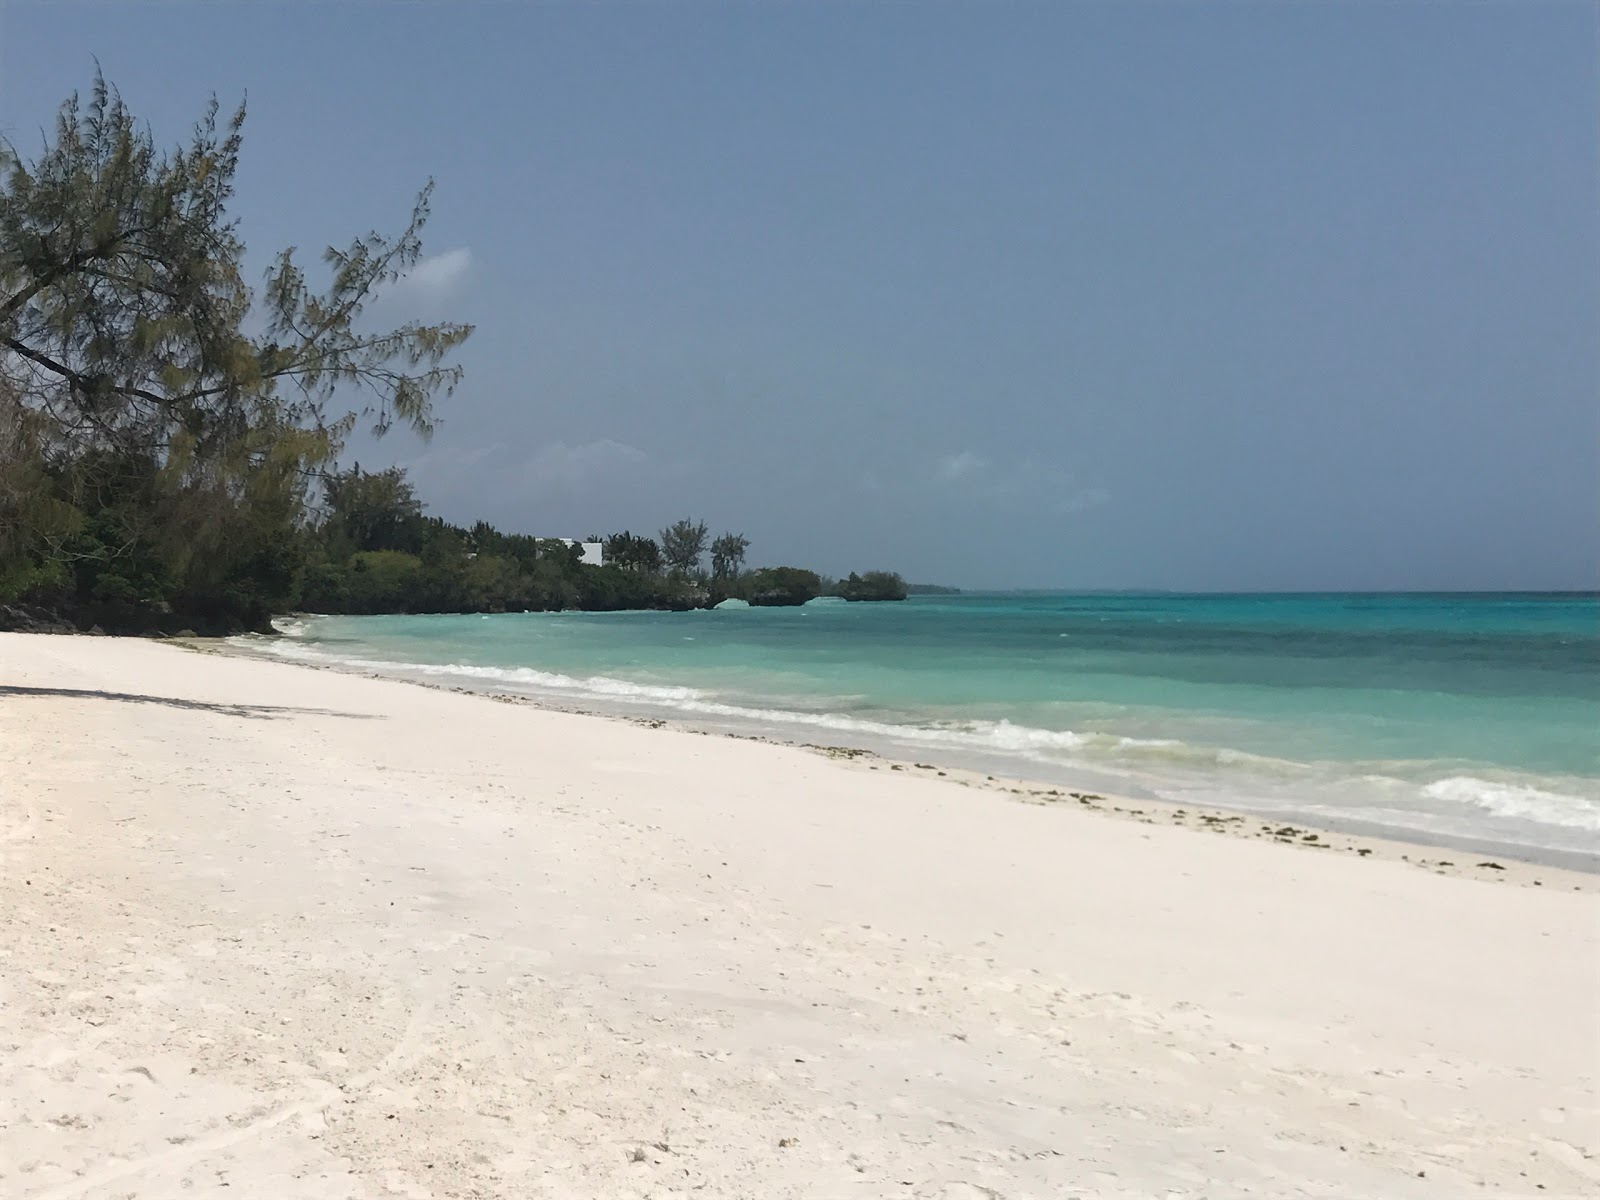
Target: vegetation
{"points": [[874, 585], [155, 457], [773, 586], [638, 554], [727, 556], [169, 437], [683, 543], [371, 549]]}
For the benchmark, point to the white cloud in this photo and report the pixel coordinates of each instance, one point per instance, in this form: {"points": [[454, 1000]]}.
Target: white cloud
{"points": [[559, 467], [956, 467], [434, 277]]}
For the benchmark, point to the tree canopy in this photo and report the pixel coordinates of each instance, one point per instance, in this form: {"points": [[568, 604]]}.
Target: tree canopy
{"points": [[161, 423], [727, 555], [683, 543], [874, 585], [170, 437]]}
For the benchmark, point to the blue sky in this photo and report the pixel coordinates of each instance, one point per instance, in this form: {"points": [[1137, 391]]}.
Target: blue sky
{"points": [[1089, 295]]}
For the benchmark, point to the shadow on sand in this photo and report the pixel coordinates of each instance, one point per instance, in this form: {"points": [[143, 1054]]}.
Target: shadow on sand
{"points": [[257, 711]]}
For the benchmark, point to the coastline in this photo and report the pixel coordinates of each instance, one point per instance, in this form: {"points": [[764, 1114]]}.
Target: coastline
{"points": [[329, 936], [1438, 852]]}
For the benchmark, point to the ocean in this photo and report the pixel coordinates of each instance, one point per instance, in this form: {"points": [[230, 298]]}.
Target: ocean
{"points": [[1468, 717]]}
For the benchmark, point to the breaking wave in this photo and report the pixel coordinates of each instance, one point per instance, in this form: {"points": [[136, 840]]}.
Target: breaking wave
{"points": [[1519, 801], [1166, 767]]}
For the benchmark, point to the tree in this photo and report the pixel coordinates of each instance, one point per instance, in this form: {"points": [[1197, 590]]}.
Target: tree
{"points": [[374, 510], [647, 555], [727, 555], [783, 586], [121, 292], [30, 514], [874, 585], [638, 554], [123, 345], [682, 544]]}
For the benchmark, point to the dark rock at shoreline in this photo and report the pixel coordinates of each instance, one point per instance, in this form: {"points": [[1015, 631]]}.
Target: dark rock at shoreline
{"points": [[25, 618], [116, 620]]}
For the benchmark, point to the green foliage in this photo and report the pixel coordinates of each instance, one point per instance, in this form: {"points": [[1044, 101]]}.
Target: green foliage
{"points": [[384, 581], [371, 550], [163, 467], [682, 545], [641, 555], [154, 456], [727, 555], [781, 586], [874, 585], [374, 511]]}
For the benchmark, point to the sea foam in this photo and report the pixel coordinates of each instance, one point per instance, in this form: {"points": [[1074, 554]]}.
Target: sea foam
{"points": [[1179, 770], [1518, 800], [1062, 747]]}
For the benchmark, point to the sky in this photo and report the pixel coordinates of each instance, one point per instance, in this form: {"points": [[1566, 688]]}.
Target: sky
{"points": [[1224, 296]]}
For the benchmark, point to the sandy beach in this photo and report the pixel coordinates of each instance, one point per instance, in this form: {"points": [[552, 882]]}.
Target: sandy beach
{"points": [[275, 932]]}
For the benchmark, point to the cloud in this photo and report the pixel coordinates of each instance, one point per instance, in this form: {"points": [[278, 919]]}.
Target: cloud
{"points": [[435, 277], [1082, 501], [1042, 485], [550, 470], [559, 467], [448, 459], [956, 467]]}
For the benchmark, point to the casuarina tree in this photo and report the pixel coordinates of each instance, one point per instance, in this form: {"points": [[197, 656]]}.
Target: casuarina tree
{"points": [[682, 545], [179, 415]]}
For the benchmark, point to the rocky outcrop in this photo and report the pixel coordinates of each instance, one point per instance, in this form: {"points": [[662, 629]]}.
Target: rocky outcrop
{"points": [[28, 618]]}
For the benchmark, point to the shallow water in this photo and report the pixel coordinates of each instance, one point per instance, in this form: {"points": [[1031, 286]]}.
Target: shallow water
{"points": [[1460, 715]]}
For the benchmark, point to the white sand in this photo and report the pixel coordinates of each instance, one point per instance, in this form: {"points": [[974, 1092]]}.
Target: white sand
{"points": [[355, 938]]}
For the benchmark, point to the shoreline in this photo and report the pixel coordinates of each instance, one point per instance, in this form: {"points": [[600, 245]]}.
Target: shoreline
{"points": [[1478, 858], [321, 935]]}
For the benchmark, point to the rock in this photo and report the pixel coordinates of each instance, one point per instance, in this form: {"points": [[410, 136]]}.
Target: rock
{"points": [[23, 618]]}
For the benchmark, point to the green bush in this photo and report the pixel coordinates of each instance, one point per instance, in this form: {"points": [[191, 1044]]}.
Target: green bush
{"points": [[781, 586], [874, 585]]}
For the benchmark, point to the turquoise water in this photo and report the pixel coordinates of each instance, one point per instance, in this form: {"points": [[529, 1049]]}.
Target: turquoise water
{"points": [[1467, 715]]}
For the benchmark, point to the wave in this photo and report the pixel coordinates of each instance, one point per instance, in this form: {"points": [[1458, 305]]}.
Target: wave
{"points": [[1056, 747], [1002, 736], [1519, 801], [511, 678], [1178, 770]]}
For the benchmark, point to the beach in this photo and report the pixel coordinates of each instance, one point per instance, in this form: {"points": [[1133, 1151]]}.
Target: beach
{"points": [[1462, 721], [273, 931]]}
